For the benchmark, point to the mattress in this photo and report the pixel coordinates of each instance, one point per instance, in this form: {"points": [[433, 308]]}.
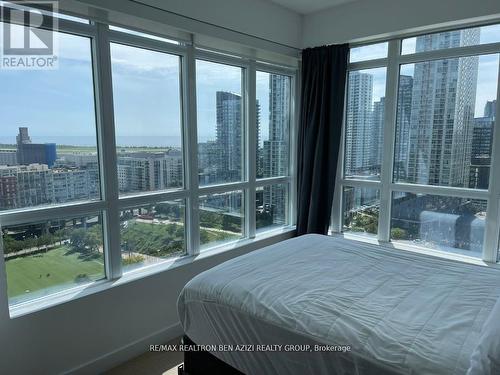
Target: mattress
{"points": [[339, 306]]}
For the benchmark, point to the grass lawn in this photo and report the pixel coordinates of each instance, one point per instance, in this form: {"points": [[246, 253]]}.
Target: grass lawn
{"points": [[45, 270], [208, 236]]}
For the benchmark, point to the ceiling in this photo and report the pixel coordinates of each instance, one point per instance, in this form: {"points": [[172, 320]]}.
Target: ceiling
{"points": [[309, 6]]}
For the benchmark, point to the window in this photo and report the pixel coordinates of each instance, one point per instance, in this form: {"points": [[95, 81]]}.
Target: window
{"points": [[361, 208], [47, 256], [146, 93], [103, 173], [459, 38], [221, 218], [152, 233], [273, 124], [49, 144], [443, 134], [439, 222], [271, 203], [220, 122], [365, 123], [370, 52], [429, 181]]}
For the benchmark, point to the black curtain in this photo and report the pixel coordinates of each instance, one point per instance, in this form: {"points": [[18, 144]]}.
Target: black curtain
{"points": [[324, 72]]}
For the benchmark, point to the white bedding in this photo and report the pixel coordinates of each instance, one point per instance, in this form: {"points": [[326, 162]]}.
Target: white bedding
{"points": [[401, 313]]}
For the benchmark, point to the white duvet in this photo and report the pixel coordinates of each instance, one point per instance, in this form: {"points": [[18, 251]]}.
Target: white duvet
{"points": [[400, 313]]}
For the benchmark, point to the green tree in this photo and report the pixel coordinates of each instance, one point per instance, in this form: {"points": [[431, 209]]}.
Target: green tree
{"points": [[77, 240]]}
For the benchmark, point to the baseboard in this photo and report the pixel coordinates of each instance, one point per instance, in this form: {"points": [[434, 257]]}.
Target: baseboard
{"points": [[109, 360]]}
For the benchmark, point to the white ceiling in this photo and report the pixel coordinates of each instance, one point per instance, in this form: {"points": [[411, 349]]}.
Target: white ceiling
{"points": [[309, 6]]}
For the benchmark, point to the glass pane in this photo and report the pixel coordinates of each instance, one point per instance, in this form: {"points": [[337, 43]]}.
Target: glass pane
{"points": [[361, 209], [220, 125], [146, 93], [365, 124], [46, 257], [271, 207], [445, 120], [149, 234], [439, 222], [221, 218], [451, 39], [48, 123], [373, 51], [273, 123], [143, 35]]}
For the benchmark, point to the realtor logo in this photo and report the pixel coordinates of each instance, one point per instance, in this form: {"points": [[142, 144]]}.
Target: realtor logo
{"points": [[28, 38]]}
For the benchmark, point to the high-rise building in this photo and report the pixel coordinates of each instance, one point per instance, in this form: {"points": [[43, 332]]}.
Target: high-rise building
{"points": [[402, 144], [229, 137], [482, 139], [23, 136], [377, 135], [490, 109], [34, 153], [358, 132], [276, 147], [275, 150], [442, 111]]}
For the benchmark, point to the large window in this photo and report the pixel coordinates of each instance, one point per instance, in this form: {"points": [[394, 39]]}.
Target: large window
{"points": [[48, 151], [134, 151], [365, 123], [420, 142], [220, 122], [146, 93]]}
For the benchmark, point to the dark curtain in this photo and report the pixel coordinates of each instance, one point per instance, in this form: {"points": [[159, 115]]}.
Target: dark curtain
{"points": [[324, 72]]}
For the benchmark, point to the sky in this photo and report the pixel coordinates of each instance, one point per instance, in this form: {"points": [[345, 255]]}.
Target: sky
{"points": [[487, 79], [146, 90], [60, 103]]}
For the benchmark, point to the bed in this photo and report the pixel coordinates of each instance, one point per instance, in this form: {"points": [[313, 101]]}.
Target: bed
{"points": [[342, 307]]}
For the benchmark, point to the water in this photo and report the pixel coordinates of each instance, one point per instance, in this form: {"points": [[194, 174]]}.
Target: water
{"points": [[124, 141]]}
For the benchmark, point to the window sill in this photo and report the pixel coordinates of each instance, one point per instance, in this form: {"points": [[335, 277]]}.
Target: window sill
{"points": [[400, 246], [72, 294]]}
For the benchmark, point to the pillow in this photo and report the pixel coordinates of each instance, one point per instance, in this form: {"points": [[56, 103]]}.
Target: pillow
{"points": [[485, 359]]}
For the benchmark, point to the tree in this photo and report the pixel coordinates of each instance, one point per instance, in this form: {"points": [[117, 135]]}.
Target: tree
{"points": [[10, 245], [60, 235], [398, 234], [77, 240], [92, 241], [45, 240]]}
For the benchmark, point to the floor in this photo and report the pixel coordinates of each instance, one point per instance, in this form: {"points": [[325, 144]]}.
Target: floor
{"points": [[151, 363]]}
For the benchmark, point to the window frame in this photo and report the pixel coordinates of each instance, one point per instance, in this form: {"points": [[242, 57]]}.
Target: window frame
{"points": [[111, 203], [386, 185]]}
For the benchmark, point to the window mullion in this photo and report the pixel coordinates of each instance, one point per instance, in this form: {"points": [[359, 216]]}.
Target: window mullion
{"points": [[294, 145], [490, 248], [191, 152], [391, 96], [107, 150], [251, 149], [337, 209]]}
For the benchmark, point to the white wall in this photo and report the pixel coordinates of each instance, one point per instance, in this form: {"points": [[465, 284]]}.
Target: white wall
{"points": [[259, 18], [365, 19], [96, 332]]}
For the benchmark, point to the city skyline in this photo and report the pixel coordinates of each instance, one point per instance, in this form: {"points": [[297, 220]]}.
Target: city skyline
{"points": [[443, 136], [46, 173]]}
